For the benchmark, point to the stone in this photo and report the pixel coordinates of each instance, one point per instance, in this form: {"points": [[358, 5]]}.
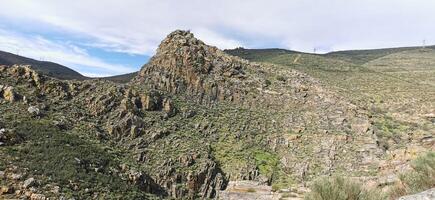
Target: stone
{"points": [[426, 195], [35, 196], [151, 101], [6, 190], [9, 94], [189, 114], [134, 131], [29, 183], [169, 108], [55, 190], [15, 176], [33, 110]]}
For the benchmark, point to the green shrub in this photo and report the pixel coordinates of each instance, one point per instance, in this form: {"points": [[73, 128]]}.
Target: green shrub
{"points": [[338, 188], [251, 190], [275, 188], [59, 157], [420, 178], [281, 78]]}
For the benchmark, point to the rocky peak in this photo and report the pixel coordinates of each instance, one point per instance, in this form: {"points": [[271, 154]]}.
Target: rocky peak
{"points": [[184, 64]]}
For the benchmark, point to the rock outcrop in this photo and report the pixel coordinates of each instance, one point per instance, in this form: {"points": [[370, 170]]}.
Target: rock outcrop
{"points": [[184, 64], [8, 93]]}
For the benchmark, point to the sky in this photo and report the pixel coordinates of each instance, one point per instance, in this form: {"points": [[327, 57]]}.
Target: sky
{"points": [[104, 38]]}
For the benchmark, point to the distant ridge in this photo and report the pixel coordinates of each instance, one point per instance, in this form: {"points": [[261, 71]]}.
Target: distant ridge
{"points": [[56, 70], [49, 68], [366, 55], [259, 54], [353, 56], [123, 78]]}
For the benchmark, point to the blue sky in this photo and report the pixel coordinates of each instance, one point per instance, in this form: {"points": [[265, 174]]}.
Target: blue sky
{"points": [[104, 38]]}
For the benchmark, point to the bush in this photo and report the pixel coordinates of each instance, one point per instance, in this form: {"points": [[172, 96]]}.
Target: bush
{"points": [[420, 178], [251, 190], [338, 188], [281, 78], [57, 157]]}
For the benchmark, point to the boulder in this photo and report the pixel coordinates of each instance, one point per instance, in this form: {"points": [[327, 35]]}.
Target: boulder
{"points": [[29, 183], [426, 195], [8, 93], [6, 190]]}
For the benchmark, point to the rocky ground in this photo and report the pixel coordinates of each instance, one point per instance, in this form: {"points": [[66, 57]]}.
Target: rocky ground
{"points": [[194, 123]]}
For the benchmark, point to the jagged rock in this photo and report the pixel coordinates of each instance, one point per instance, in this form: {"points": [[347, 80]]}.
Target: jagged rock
{"points": [[124, 126], [151, 101], [6, 190], [8, 93], [213, 180], [35, 196], [206, 181], [169, 108], [29, 183], [426, 195], [184, 64], [159, 134]]}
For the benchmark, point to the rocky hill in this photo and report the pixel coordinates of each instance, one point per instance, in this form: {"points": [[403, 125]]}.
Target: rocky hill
{"points": [[48, 68], [194, 123]]}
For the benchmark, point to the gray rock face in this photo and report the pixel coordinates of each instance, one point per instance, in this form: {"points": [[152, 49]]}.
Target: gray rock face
{"points": [[426, 195], [184, 64]]}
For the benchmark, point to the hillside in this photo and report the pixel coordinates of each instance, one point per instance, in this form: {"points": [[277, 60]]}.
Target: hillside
{"points": [[51, 69], [258, 54], [197, 123], [123, 78], [395, 86]]}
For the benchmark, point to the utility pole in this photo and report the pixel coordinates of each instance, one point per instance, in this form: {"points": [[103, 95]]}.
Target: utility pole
{"points": [[424, 44], [314, 50]]}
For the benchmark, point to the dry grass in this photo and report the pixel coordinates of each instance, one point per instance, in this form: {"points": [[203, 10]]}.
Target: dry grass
{"points": [[338, 188], [420, 178]]}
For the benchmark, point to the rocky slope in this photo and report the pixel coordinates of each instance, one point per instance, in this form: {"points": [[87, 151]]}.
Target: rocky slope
{"points": [[193, 122]]}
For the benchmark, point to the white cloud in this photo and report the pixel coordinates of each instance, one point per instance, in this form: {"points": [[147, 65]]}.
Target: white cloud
{"points": [[40, 48], [215, 39], [137, 26]]}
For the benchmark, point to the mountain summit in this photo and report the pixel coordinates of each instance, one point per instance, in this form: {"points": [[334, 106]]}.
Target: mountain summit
{"points": [[184, 64]]}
